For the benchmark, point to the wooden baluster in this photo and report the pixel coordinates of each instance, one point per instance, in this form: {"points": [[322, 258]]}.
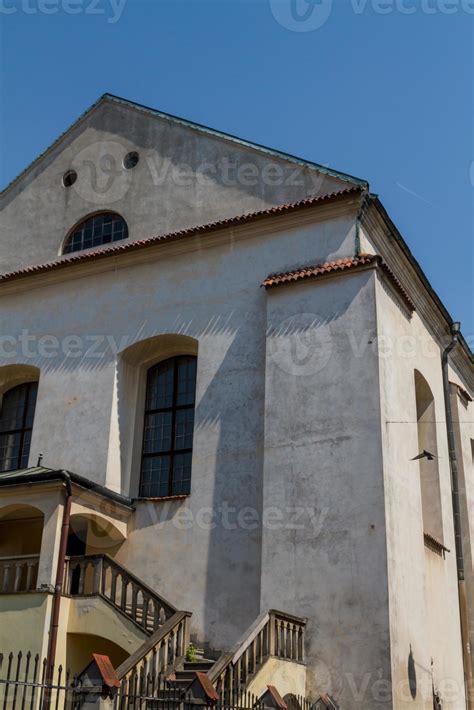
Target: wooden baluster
{"points": [[253, 656], [123, 595], [146, 602], [134, 601], [164, 648], [285, 640], [237, 675], [271, 640], [103, 582], [277, 637], [98, 573], [31, 564], [179, 640], [245, 667], [82, 577], [6, 576], [18, 574], [156, 615], [113, 586], [300, 645]]}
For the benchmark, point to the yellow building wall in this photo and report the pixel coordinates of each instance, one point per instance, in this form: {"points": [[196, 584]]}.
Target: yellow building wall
{"points": [[286, 676], [24, 622]]}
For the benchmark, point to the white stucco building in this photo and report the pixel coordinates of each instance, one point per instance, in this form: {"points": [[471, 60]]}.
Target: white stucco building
{"points": [[219, 367]]}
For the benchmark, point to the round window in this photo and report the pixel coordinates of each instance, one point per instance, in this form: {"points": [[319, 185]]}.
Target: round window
{"points": [[130, 160], [69, 178]]}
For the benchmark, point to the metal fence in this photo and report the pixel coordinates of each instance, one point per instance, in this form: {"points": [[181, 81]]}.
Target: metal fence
{"points": [[25, 684]]}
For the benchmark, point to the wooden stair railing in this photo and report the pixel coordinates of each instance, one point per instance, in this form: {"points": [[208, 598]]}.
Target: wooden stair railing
{"points": [[90, 575], [158, 656], [274, 633]]}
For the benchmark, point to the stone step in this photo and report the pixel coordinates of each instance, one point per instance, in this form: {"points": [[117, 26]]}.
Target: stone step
{"points": [[203, 664]]}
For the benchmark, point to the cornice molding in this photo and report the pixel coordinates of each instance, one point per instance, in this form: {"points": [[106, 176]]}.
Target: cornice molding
{"points": [[389, 243]]}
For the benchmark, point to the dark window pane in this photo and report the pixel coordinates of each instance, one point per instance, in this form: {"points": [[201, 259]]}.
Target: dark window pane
{"points": [[155, 476], [168, 428], [160, 387], [183, 438], [157, 434], [16, 421], [186, 381], [182, 474], [95, 231]]}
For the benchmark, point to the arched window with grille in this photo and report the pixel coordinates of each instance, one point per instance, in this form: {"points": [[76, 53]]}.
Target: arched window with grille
{"points": [[17, 411], [168, 428], [95, 231]]}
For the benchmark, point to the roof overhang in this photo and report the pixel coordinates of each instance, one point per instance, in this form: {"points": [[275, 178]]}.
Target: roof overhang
{"points": [[40, 476]]}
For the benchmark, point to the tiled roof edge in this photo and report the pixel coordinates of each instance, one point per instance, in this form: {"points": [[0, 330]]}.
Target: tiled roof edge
{"points": [[337, 266], [117, 249]]}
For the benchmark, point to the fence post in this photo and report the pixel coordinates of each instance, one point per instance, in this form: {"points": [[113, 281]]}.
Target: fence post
{"points": [[97, 685]]}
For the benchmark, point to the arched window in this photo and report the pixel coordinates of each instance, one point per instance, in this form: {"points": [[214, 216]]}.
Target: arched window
{"points": [[168, 430], [95, 231], [17, 411], [429, 470]]}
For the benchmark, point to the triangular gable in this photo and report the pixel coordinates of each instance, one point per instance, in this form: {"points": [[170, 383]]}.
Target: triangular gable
{"points": [[112, 99]]}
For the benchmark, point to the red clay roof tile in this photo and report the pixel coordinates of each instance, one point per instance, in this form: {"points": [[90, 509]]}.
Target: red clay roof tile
{"points": [[331, 267], [90, 255], [107, 671]]}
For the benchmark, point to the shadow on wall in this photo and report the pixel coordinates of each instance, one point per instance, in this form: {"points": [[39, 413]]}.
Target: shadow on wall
{"points": [[227, 469]]}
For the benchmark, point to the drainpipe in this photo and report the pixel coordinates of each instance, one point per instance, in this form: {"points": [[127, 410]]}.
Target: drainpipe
{"points": [[58, 588], [463, 611]]}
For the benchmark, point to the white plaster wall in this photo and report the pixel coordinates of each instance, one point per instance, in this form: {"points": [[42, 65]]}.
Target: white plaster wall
{"points": [[184, 178], [213, 295], [424, 616], [323, 457]]}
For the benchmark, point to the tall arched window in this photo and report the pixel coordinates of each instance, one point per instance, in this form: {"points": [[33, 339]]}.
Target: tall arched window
{"points": [[17, 411], [95, 231], [168, 430], [429, 471]]}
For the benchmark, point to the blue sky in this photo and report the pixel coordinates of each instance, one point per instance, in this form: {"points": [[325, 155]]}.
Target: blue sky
{"points": [[381, 89]]}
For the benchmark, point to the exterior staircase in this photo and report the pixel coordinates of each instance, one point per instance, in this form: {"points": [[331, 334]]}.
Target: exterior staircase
{"points": [[163, 654], [183, 677]]}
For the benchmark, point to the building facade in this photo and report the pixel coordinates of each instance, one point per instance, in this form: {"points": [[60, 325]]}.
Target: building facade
{"points": [[224, 368]]}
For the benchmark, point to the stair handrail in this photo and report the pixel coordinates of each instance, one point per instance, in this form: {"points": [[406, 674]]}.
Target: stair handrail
{"points": [[273, 633], [149, 613], [124, 570], [167, 647]]}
